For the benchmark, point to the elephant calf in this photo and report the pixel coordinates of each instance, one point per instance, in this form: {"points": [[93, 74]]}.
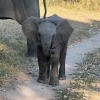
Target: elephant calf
{"points": [[51, 38]]}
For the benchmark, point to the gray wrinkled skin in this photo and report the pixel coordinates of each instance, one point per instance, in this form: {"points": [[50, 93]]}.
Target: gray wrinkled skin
{"points": [[51, 37], [19, 10], [46, 31]]}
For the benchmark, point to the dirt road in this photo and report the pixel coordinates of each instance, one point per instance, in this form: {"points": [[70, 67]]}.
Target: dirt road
{"points": [[31, 90]]}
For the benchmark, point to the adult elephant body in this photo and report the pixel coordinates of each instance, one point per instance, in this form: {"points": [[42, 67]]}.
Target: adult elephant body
{"points": [[20, 10]]}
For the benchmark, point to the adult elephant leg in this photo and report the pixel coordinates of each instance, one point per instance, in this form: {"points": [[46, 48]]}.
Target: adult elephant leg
{"points": [[62, 75], [43, 65], [31, 49]]}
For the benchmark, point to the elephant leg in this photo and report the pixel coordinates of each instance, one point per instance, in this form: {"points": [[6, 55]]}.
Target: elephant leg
{"points": [[54, 73], [31, 49], [54, 67], [43, 65], [62, 75], [48, 70]]}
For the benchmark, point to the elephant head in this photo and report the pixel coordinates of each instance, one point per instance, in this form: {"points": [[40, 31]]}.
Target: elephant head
{"points": [[47, 33]]}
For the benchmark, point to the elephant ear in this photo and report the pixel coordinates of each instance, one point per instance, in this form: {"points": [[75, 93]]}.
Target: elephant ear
{"points": [[30, 27], [64, 29]]}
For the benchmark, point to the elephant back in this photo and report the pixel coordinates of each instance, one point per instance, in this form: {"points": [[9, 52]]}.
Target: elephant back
{"points": [[19, 10], [7, 9], [25, 9]]}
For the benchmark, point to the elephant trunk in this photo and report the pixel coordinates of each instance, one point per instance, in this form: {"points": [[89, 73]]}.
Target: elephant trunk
{"points": [[46, 45]]}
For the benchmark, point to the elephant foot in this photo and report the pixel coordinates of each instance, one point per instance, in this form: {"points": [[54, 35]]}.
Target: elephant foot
{"points": [[54, 81], [62, 77], [42, 80], [31, 54]]}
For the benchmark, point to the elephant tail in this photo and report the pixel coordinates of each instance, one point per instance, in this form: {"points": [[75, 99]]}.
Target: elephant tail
{"points": [[45, 8]]}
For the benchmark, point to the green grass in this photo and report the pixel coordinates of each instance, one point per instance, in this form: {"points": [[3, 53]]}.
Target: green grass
{"points": [[86, 80]]}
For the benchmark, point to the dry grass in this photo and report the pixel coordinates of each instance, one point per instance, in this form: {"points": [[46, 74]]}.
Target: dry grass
{"points": [[84, 22], [87, 75], [70, 12], [86, 80], [13, 64]]}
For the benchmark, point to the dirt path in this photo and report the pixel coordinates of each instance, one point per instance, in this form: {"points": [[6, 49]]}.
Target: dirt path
{"points": [[31, 90], [77, 52]]}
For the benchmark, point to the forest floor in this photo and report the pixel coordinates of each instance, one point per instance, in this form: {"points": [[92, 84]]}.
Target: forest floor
{"points": [[18, 73]]}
